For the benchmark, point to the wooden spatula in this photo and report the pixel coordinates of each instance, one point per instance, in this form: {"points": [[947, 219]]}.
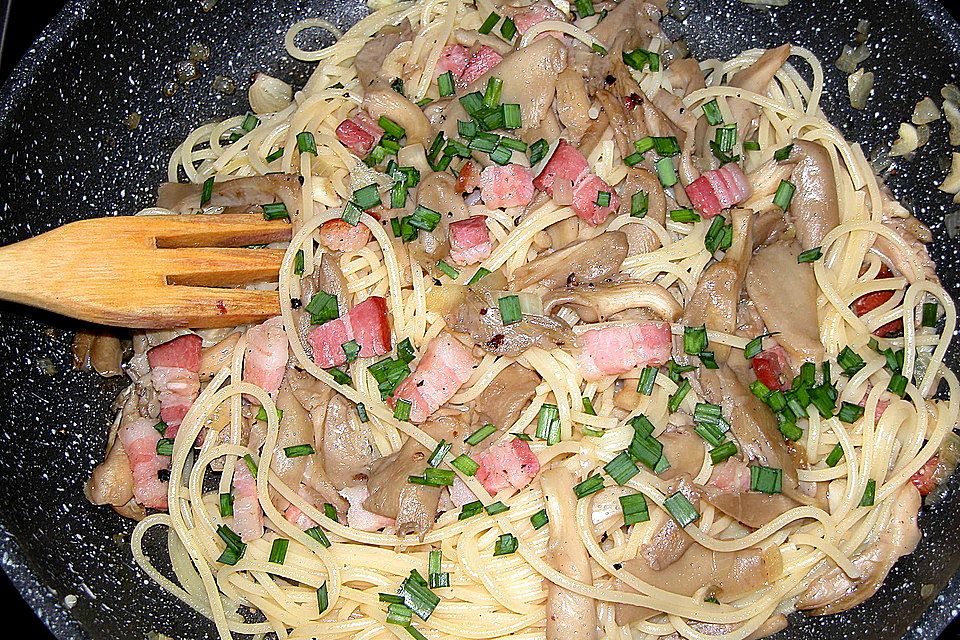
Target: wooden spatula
{"points": [[149, 272]]}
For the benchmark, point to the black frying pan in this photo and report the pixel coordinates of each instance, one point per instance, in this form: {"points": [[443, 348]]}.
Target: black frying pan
{"points": [[66, 153]]}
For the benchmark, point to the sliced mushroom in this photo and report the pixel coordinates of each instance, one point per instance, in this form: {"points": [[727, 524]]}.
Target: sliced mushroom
{"points": [[570, 616], [834, 591], [385, 102], [815, 207], [590, 260], [642, 180], [755, 78], [669, 541], [216, 357], [596, 303], [772, 272], [369, 60], [914, 262], [502, 401], [573, 104], [437, 191], [296, 428], [98, 349], [239, 195], [112, 480]]}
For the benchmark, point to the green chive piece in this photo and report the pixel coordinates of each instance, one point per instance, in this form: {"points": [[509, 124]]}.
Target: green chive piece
{"points": [[489, 23], [589, 486], [783, 153], [639, 204], [929, 316], [510, 310], [274, 211], [278, 552], [548, 424], [391, 128], [508, 29], [339, 376], [751, 145], [684, 215], [539, 519], [323, 598], [681, 509], [584, 8], [667, 172], [726, 450], [491, 95], [791, 431], [306, 143], [405, 351], [588, 406], [695, 339], [450, 272], [465, 464], [621, 468], [322, 308], [850, 412], [766, 479], [470, 509], [869, 494], [160, 427], [480, 434], [810, 255], [165, 447], [331, 512], [538, 151], [677, 398], [711, 110], [506, 544], [226, 505], [898, 385], [478, 274], [634, 509], [850, 361], [276, 155], [496, 508], [206, 193], [666, 145], [351, 349], [298, 263], [362, 412], [445, 84], [784, 194], [424, 218], [298, 451], [402, 410], [439, 453], [726, 137], [647, 379], [368, 197], [835, 455], [317, 534]]}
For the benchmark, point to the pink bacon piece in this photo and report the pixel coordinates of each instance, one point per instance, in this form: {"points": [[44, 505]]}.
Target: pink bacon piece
{"points": [[618, 349], [535, 14], [247, 513], [357, 516], [567, 165], [719, 189], [266, 357], [508, 464], [586, 194], [366, 323], [359, 133], [454, 58], [445, 366], [470, 241], [507, 186], [485, 59], [139, 440], [175, 368], [340, 235]]}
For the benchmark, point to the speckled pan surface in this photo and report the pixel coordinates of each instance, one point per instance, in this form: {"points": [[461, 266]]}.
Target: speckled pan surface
{"points": [[66, 153]]}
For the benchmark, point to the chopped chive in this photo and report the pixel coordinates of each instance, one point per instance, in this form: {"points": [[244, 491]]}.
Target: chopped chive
{"points": [[599, 48], [435, 147], [766, 479], [442, 449], [521, 436], [850, 361], [506, 544], [714, 235], [278, 552], [489, 23], [206, 193], [722, 452], [398, 614], [674, 403], [588, 407], [633, 159], [276, 155], [317, 534], [755, 346], [835, 455], [712, 112], [791, 431], [470, 509], [481, 434], [784, 194], [491, 95], [510, 310], [751, 145], [639, 204], [647, 379], [591, 432], [898, 385], [634, 509], [298, 451], [726, 137], [869, 494], [694, 339], [621, 468], [478, 274], [681, 509], [433, 477], [405, 351], [666, 145], [850, 413], [783, 153], [160, 427], [501, 155], [306, 143], [398, 195], [465, 464], [512, 143], [391, 128], [810, 255], [548, 424], [322, 308], [496, 508], [538, 150], [445, 84], [165, 447], [603, 199], [417, 595], [274, 211], [667, 172], [684, 215], [362, 412], [929, 316], [424, 218], [644, 144], [351, 349], [226, 505], [323, 598], [340, 376], [298, 263], [589, 486], [539, 519], [508, 29], [330, 511], [584, 8]]}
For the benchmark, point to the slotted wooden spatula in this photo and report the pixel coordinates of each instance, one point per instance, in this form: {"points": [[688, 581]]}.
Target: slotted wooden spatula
{"points": [[149, 272]]}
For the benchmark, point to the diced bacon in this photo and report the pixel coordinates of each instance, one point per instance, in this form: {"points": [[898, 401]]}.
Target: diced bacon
{"points": [[719, 189], [485, 59], [266, 357], [618, 349], [470, 240], [139, 440], [359, 133], [731, 476], [508, 464], [881, 404], [468, 179], [454, 58], [769, 367], [870, 301], [295, 516], [585, 194], [247, 513], [340, 235], [535, 14], [566, 162], [366, 323], [924, 479], [507, 186], [175, 368], [445, 366], [460, 493], [360, 518]]}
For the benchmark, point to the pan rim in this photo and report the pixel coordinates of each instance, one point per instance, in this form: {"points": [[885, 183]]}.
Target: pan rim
{"points": [[15, 560]]}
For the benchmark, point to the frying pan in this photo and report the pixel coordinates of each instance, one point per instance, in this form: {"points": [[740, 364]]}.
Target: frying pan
{"points": [[66, 153]]}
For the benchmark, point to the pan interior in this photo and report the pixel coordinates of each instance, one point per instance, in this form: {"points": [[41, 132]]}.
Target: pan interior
{"points": [[67, 152]]}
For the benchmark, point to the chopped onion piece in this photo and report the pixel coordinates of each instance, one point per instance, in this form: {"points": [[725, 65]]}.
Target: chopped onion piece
{"points": [[859, 85], [767, 3], [952, 113], [923, 135], [951, 222], [951, 184], [269, 95], [925, 112], [851, 57], [950, 92], [907, 140]]}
